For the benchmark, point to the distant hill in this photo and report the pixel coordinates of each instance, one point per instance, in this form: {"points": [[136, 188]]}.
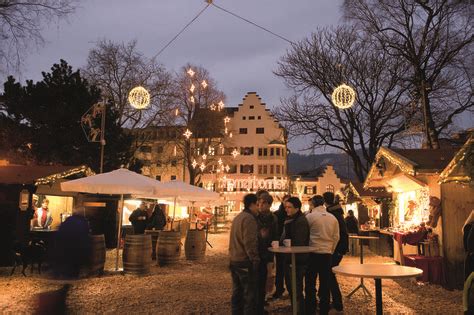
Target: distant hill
{"points": [[342, 164]]}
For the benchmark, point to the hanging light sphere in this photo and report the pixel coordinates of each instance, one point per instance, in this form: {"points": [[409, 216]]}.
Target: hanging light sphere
{"points": [[139, 97], [343, 96]]}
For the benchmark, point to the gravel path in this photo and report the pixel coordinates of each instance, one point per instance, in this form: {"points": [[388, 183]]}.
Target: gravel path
{"points": [[205, 288]]}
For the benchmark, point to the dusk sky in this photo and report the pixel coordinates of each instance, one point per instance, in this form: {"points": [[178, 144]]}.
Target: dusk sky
{"points": [[238, 55]]}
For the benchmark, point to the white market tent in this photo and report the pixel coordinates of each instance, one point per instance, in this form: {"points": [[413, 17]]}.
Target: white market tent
{"points": [[119, 182]]}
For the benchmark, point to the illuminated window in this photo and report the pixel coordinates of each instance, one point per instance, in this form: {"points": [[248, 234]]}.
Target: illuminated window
{"points": [[330, 188]]}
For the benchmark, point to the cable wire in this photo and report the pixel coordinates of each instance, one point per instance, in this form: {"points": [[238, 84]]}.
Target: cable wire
{"points": [[182, 30], [254, 24]]}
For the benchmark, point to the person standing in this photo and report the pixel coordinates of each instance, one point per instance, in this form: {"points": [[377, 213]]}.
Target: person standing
{"points": [[267, 224], [341, 248], [280, 258], [244, 258], [324, 236], [352, 223], [139, 218], [42, 217], [157, 221], [297, 230]]}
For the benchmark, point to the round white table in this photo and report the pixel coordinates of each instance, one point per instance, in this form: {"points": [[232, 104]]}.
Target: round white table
{"points": [[293, 250], [361, 285], [377, 272]]}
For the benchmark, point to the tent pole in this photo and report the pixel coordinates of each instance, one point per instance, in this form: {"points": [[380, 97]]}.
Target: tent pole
{"points": [[174, 212], [119, 232]]}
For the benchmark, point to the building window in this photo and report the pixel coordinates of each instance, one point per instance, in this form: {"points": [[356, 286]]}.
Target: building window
{"points": [[278, 169], [243, 131], [330, 188], [158, 177], [260, 151], [173, 177], [251, 106], [251, 117], [246, 169], [265, 152], [246, 151], [283, 170], [174, 162], [243, 117], [158, 163], [232, 169], [260, 130], [265, 169], [278, 151], [145, 149], [271, 169], [309, 190], [259, 117], [260, 169]]}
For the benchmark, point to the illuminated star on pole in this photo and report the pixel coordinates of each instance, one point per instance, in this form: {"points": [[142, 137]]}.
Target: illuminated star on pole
{"points": [[192, 88], [204, 84], [194, 164], [191, 72], [227, 168], [226, 120], [221, 105], [204, 156], [202, 167], [235, 153]]}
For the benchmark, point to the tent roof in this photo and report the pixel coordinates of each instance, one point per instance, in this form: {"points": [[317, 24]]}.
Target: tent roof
{"points": [[461, 167], [39, 174]]}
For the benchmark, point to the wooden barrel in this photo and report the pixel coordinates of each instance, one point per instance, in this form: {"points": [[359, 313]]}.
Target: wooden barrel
{"points": [[168, 247], [195, 245], [154, 238], [137, 254], [97, 259]]}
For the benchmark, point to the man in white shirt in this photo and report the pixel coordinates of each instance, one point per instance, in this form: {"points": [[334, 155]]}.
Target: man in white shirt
{"points": [[324, 235]]}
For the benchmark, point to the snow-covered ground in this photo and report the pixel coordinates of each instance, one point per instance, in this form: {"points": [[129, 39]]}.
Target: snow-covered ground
{"points": [[205, 288]]}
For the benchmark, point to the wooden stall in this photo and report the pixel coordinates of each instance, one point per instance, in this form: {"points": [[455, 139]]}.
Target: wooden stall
{"points": [[457, 190], [18, 185]]}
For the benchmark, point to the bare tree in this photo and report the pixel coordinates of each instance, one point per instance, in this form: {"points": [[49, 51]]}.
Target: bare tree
{"points": [[435, 39], [199, 109], [315, 66], [116, 68], [21, 25]]}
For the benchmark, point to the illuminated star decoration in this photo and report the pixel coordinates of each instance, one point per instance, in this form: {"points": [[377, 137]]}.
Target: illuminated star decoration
{"points": [[226, 120], [194, 164], [343, 96], [176, 112], [192, 88], [187, 133], [221, 105], [227, 168], [230, 135], [202, 167], [139, 97], [204, 156], [191, 72], [235, 153], [212, 107], [204, 84], [191, 99], [220, 162]]}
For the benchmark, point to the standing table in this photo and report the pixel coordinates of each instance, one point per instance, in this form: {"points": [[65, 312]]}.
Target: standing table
{"points": [[361, 285], [377, 272], [293, 250]]}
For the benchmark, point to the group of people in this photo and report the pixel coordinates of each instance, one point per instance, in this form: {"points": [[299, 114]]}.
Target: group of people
{"points": [[147, 216], [252, 233]]}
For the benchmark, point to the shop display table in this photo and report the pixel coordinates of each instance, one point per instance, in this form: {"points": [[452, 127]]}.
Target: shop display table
{"points": [[293, 250], [433, 268], [377, 272], [361, 285]]}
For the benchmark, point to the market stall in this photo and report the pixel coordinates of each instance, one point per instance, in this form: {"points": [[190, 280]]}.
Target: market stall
{"points": [[412, 176]]}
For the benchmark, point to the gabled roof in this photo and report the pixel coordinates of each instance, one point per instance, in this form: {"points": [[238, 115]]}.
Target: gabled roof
{"points": [[461, 167], [39, 174], [372, 192]]}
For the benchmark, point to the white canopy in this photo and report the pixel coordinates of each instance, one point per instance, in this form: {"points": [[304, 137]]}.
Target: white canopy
{"points": [[118, 182]]}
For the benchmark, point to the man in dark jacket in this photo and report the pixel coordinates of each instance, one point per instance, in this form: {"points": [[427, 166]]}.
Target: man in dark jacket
{"points": [[352, 223], [139, 218], [157, 221], [244, 258], [267, 224], [280, 258], [297, 230], [341, 247]]}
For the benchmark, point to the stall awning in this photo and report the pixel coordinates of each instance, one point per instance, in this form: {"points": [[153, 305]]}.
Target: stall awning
{"points": [[404, 182]]}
